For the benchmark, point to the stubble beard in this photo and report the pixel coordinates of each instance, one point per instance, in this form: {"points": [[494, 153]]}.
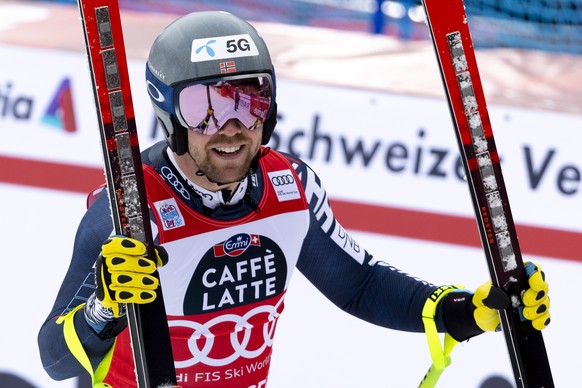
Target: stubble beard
{"points": [[223, 172]]}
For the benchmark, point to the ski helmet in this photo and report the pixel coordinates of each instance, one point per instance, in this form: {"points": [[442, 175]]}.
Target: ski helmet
{"points": [[201, 46]]}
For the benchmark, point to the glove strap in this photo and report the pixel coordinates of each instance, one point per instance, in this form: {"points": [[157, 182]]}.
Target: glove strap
{"points": [[76, 348], [440, 354]]}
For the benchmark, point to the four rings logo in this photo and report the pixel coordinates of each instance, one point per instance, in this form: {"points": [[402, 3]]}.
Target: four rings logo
{"points": [[250, 334], [282, 180], [174, 181], [285, 185]]}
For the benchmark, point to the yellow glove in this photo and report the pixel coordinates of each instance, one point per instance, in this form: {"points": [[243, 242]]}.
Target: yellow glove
{"points": [[487, 300], [123, 274], [536, 303]]}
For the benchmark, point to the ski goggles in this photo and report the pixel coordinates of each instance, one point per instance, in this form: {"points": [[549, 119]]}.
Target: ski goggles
{"points": [[206, 106]]}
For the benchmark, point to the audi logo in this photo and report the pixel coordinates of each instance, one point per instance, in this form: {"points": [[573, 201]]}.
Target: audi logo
{"points": [[239, 345], [173, 180], [281, 180]]}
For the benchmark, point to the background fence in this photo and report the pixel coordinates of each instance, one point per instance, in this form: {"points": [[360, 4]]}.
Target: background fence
{"points": [[549, 25]]}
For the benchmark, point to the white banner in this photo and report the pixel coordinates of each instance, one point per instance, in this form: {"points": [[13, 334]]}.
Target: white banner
{"points": [[370, 148], [400, 150]]}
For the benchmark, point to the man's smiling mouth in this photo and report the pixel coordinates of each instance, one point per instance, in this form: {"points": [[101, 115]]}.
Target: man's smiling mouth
{"points": [[228, 150]]}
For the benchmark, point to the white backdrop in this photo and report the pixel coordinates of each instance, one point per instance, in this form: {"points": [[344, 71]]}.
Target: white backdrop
{"points": [[317, 345]]}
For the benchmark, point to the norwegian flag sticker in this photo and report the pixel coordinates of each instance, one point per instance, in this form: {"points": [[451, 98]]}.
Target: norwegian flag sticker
{"points": [[227, 67]]}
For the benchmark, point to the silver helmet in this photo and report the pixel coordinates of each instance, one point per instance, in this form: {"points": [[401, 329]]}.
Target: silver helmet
{"points": [[199, 47]]}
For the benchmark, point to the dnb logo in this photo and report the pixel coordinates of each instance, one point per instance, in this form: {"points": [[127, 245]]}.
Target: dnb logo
{"points": [[60, 112], [244, 269]]}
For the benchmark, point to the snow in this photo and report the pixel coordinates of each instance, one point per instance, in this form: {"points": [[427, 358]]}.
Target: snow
{"points": [[460, 63], [509, 262], [494, 200], [486, 169], [515, 302], [490, 183], [479, 144], [479, 141], [499, 222], [470, 104], [457, 51], [475, 124], [503, 240], [484, 160]]}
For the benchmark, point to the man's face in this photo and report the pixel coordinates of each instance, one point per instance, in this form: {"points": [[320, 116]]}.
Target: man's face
{"points": [[226, 156]]}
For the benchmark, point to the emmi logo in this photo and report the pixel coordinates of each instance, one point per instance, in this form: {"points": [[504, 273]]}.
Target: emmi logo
{"points": [[59, 113]]}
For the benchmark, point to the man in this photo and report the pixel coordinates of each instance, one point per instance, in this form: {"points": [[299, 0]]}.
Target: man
{"points": [[232, 219]]}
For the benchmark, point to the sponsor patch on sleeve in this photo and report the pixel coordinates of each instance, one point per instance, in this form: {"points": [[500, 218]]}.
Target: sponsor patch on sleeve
{"points": [[169, 214], [284, 184]]}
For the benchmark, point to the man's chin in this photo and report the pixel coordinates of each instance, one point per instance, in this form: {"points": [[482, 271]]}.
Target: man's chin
{"points": [[225, 179]]}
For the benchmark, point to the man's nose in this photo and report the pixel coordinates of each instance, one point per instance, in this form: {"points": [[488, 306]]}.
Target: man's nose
{"points": [[232, 127]]}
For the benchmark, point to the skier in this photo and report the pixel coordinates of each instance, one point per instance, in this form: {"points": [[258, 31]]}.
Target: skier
{"points": [[236, 98], [232, 219]]}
